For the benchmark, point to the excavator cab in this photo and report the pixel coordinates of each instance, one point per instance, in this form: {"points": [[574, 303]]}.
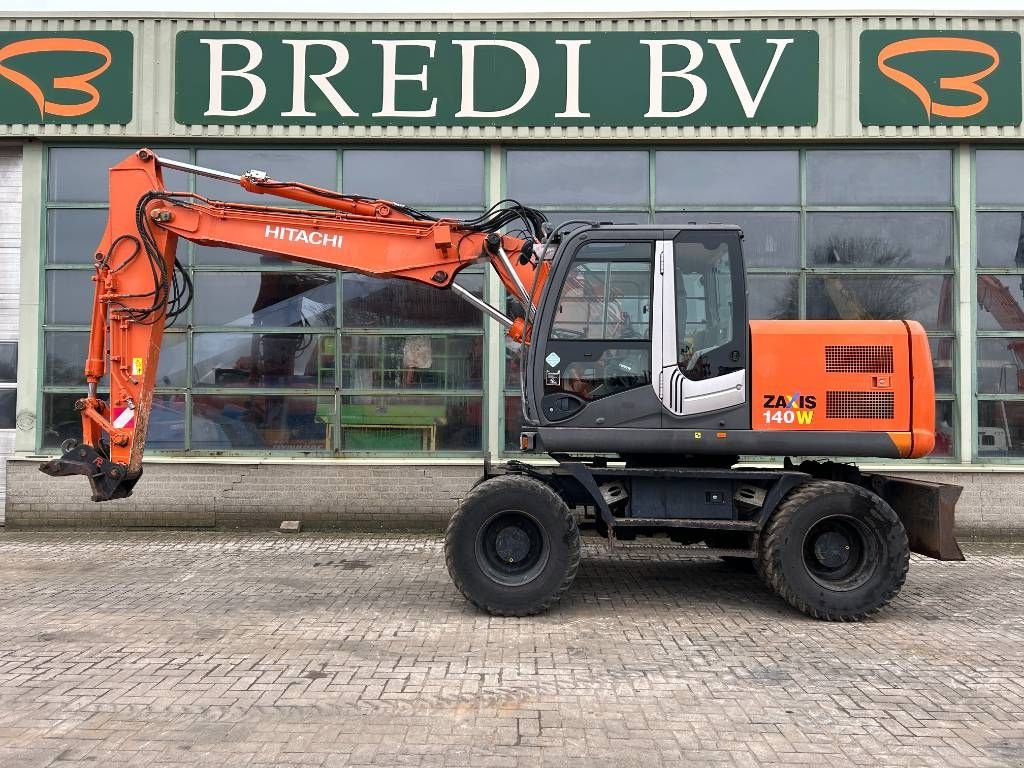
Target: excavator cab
{"points": [[642, 328]]}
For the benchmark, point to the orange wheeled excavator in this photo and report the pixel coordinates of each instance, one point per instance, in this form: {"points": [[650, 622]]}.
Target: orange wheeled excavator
{"points": [[642, 376]]}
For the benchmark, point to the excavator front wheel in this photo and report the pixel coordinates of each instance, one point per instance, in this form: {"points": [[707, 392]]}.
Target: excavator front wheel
{"points": [[834, 551], [513, 547]]}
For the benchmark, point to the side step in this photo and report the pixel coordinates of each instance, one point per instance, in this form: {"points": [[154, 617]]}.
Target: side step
{"points": [[700, 525]]}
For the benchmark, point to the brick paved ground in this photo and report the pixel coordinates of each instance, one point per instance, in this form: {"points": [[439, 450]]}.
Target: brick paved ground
{"points": [[261, 650]]}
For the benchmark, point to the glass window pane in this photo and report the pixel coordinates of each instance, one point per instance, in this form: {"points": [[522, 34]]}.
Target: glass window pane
{"points": [[1000, 428], [266, 299], [65, 351], [263, 360], [513, 423], [727, 177], [999, 172], [79, 174], [880, 239], [72, 234], [1001, 365], [605, 300], [513, 362], [614, 217], [8, 407], [315, 167], [945, 429], [411, 423], [416, 177], [1000, 303], [773, 297], [579, 177], [412, 362], [1001, 239], [943, 363], [879, 176], [262, 422], [925, 298], [209, 256], [769, 239], [60, 419], [8, 362], [69, 295], [166, 430], [370, 302]]}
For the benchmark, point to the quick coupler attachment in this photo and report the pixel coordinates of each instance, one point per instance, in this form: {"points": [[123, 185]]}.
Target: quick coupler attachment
{"points": [[108, 480]]}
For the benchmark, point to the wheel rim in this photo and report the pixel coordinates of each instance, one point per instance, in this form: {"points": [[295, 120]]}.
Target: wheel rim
{"points": [[841, 553], [512, 548]]}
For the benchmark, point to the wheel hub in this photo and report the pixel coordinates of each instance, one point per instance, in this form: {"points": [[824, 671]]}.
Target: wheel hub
{"points": [[832, 549], [512, 544]]}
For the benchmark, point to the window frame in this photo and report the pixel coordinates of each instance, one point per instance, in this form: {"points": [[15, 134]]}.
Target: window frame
{"points": [[186, 326], [804, 270], [979, 334]]}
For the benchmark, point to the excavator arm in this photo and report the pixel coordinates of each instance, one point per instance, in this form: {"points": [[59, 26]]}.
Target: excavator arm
{"points": [[140, 286]]}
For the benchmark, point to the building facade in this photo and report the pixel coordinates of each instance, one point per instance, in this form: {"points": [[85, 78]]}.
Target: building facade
{"points": [[874, 163]]}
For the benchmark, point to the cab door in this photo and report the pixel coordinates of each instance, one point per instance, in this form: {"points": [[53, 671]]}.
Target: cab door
{"points": [[594, 369], [700, 345]]}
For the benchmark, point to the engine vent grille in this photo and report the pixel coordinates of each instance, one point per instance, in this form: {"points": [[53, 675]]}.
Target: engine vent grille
{"points": [[859, 405], [858, 358]]}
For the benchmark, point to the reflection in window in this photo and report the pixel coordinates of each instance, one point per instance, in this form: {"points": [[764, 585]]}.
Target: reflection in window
{"points": [[704, 310], [943, 363], [1001, 365], [69, 295], [894, 239], [773, 297], [1000, 302], [606, 299], [411, 423], [879, 176], [8, 406], [73, 234], [769, 239], [263, 360], [1000, 428], [370, 302], [945, 429], [262, 422], [730, 177], [925, 298], [266, 299], [580, 177], [1001, 239], [412, 361], [8, 362]]}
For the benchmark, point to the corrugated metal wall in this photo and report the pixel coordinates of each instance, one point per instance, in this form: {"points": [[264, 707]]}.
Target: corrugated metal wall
{"points": [[838, 81], [10, 240], [10, 258]]}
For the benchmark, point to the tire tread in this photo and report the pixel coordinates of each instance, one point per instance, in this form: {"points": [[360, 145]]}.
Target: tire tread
{"points": [[770, 562], [510, 483]]}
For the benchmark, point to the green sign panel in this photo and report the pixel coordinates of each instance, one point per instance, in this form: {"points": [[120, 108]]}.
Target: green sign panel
{"points": [[66, 77], [526, 79], [940, 78]]}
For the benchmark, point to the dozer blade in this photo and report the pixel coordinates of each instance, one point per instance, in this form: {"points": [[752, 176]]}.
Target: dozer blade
{"points": [[108, 480], [927, 512]]}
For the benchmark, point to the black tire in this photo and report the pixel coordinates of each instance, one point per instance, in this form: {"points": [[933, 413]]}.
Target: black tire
{"points": [[513, 547], [834, 551]]}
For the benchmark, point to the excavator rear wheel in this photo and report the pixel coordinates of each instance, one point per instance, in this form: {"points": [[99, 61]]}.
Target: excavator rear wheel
{"points": [[834, 551], [513, 547]]}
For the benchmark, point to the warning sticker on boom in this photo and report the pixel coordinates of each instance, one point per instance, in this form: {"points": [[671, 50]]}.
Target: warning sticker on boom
{"points": [[138, 366]]}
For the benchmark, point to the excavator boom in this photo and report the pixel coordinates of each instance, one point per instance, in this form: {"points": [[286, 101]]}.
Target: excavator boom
{"points": [[140, 286]]}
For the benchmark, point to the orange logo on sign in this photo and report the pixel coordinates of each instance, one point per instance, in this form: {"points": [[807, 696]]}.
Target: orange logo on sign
{"points": [[81, 83], [963, 83]]}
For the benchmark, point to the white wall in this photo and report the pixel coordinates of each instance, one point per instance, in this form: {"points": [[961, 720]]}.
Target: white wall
{"points": [[10, 256]]}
